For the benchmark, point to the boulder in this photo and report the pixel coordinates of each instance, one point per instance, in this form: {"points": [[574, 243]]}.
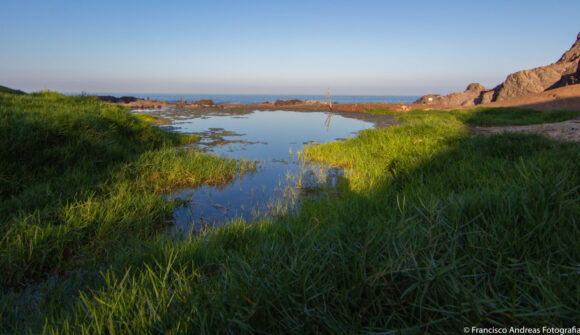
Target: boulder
{"points": [[569, 79], [127, 100], [430, 99], [107, 98], [486, 97], [475, 87], [204, 103], [469, 97], [112, 99]]}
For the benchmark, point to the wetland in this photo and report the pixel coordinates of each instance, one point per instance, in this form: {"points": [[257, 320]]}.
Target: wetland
{"points": [[275, 139]]}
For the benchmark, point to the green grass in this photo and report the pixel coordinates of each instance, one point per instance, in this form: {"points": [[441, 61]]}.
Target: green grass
{"points": [[80, 179], [4, 89], [381, 111], [434, 229], [154, 119], [486, 116]]}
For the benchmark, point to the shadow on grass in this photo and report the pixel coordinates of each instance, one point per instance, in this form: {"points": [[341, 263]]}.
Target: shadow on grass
{"points": [[483, 232], [510, 116]]}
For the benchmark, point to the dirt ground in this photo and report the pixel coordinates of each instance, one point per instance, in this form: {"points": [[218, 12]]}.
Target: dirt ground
{"points": [[563, 98], [563, 131]]}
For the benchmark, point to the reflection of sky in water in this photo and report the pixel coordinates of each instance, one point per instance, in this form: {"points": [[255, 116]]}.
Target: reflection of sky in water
{"points": [[266, 136], [275, 131]]}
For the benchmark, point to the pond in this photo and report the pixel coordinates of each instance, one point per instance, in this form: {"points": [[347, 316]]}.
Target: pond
{"points": [[271, 137]]}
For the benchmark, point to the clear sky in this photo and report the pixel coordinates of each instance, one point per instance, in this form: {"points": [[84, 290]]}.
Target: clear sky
{"points": [[353, 47]]}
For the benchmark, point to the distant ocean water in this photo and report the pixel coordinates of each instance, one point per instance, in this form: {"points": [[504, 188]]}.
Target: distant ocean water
{"points": [[257, 98]]}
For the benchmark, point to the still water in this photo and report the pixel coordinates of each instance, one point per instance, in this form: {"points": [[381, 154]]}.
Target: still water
{"points": [[271, 137]]}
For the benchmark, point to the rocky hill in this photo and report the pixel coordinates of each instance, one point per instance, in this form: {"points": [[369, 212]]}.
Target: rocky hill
{"points": [[566, 71]]}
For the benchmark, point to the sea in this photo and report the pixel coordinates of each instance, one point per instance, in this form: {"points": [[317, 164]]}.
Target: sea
{"points": [[257, 98]]}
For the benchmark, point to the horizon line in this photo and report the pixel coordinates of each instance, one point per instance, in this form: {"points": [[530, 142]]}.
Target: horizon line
{"points": [[160, 93]]}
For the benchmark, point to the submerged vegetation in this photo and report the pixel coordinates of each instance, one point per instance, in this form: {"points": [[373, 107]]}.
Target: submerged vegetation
{"points": [[434, 229]]}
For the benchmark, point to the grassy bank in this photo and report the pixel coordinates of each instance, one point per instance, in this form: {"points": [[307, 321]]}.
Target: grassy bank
{"points": [[81, 182], [435, 229]]}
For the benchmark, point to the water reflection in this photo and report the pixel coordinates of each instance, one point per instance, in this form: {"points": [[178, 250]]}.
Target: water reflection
{"points": [[272, 137]]}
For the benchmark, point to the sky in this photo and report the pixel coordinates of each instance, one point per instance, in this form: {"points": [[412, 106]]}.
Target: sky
{"points": [[278, 47]]}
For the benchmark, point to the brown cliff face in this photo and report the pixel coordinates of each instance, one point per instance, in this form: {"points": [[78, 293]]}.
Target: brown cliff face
{"points": [[566, 71], [563, 72]]}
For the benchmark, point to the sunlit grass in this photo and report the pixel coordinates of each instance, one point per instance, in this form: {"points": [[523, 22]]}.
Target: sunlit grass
{"points": [[155, 119]]}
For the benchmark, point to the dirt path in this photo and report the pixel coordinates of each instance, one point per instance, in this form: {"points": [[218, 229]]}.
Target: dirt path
{"points": [[563, 131]]}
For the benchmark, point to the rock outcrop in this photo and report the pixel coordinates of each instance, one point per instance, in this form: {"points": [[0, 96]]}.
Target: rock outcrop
{"points": [[290, 102], [139, 103], [566, 71], [110, 98], [206, 103], [470, 97]]}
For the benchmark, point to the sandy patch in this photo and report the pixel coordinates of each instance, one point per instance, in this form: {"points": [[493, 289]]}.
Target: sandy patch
{"points": [[563, 131]]}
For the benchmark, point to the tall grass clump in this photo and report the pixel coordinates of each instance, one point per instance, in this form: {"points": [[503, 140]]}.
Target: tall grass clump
{"points": [[434, 230]]}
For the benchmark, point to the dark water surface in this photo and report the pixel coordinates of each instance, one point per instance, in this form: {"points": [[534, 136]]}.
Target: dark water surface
{"points": [[271, 137]]}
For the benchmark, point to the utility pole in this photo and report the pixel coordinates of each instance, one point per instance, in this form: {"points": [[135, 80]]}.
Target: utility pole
{"points": [[329, 99], [329, 102]]}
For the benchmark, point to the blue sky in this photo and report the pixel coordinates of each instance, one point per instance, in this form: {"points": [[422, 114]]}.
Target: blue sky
{"points": [[353, 47]]}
